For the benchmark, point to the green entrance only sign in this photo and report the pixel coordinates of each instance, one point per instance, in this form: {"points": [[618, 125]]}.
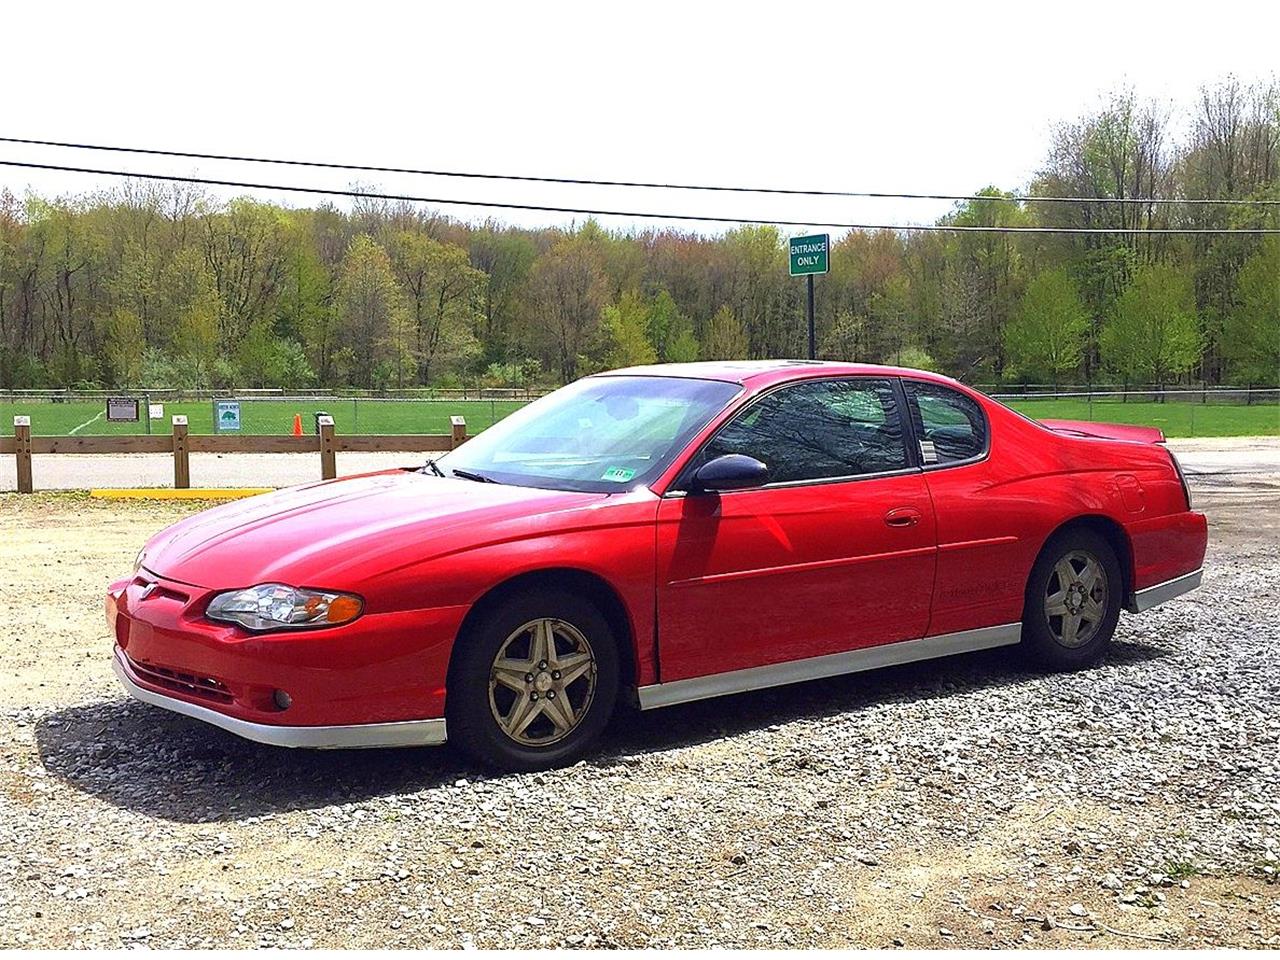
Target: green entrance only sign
{"points": [[809, 254]]}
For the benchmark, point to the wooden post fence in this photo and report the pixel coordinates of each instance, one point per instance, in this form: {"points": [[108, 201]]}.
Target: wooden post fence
{"points": [[182, 444], [328, 455], [181, 455], [22, 449]]}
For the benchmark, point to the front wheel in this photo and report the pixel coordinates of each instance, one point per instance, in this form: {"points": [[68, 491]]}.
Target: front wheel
{"points": [[1072, 601], [534, 682]]}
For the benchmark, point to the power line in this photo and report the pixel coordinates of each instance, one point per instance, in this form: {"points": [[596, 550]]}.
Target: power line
{"points": [[586, 211], [865, 194]]}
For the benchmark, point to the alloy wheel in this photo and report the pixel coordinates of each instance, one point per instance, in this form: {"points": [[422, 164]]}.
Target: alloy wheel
{"points": [[1075, 602], [542, 682]]}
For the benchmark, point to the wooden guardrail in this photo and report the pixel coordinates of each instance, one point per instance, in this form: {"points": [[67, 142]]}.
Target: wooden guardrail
{"points": [[182, 444]]}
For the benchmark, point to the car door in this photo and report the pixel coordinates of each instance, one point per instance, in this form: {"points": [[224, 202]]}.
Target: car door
{"points": [[982, 562], [834, 552]]}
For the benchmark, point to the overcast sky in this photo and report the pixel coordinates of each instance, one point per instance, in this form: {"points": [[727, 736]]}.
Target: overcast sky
{"points": [[891, 96]]}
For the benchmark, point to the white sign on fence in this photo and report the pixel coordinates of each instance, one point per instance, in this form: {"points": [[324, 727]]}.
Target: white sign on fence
{"points": [[155, 411], [226, 415]]}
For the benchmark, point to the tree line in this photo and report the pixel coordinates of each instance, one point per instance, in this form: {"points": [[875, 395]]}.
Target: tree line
{"points": [[159, 285]]}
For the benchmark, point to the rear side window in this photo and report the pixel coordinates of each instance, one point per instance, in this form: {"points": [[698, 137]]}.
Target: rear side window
{"points": [[817, 430], [950, 426]]}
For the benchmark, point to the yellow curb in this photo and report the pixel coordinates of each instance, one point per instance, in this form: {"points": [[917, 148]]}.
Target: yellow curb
{"points": [[164, 493]]}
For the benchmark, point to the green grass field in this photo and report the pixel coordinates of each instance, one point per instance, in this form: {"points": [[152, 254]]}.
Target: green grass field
{"points": [[263, 417]]}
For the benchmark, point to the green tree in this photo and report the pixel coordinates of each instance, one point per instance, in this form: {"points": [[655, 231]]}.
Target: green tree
{"points": [[287, 365], [443, 293], [725, 339], [892, 317], [567, 290], [125, 344], [758, 291], [915, 358], [1152, 333], [625, 326], [1252, 332], [369, 307], [846, 338], [305, 293], [196, 341], [245, 250], [505, 257], [683, 347], [1046, 336]]}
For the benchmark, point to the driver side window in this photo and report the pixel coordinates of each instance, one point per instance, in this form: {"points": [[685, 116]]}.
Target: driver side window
{"points": [[818, 430]]}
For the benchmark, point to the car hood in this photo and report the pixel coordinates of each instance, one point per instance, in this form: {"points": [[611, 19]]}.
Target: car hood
{"points": [[340, 533]]}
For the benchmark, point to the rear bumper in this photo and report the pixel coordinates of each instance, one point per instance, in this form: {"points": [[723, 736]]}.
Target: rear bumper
{"points": [[405, 733], [1147, 598], [1168, 555]]}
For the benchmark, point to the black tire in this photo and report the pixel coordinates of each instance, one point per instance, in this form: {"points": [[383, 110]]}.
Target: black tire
{"points": [[1042, 633], [472, 725]]}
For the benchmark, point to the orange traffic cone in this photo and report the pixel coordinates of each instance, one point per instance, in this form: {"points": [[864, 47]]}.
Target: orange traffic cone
{"points": [[297, 424]]}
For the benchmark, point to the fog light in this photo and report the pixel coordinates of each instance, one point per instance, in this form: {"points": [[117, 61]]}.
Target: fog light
{"points": [[282, 699]]}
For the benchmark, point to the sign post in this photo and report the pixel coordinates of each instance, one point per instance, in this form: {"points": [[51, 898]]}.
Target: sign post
{"points": [[810, 257]]}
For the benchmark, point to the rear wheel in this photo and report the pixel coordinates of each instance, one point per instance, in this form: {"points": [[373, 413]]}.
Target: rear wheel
{"points": [[533, 682], [1072, 601]]}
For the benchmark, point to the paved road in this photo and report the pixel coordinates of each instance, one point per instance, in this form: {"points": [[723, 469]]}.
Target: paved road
{"points": [[1209, 461]]}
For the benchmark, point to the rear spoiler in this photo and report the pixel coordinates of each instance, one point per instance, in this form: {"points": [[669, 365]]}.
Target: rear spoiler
{"points": [[1106, 431]]}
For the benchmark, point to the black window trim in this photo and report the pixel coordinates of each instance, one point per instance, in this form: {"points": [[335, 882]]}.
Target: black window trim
{"points": [[913, 415], [680, 486]]}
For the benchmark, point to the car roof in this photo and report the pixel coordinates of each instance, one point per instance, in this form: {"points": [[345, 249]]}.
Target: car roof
{"points": [[753, 373]]}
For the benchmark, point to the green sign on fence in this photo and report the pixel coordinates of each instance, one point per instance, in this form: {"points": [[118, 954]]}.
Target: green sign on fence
{"points": [[809, 254]]}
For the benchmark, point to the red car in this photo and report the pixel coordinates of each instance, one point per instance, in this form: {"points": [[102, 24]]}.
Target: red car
{"points": [[664, 534]]}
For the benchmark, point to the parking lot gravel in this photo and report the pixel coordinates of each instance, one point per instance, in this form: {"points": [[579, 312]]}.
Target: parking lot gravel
{"points": [[965, 802]]}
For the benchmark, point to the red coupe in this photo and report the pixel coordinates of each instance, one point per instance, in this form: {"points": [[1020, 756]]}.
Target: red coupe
{"points": [[662, 533]]}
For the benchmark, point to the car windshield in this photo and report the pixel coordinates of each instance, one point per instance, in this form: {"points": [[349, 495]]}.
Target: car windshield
{"points": [[601, 434]]}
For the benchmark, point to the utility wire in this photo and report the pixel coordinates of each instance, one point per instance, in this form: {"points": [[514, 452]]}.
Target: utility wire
{"points": [[1147, 201], [443, 201]]}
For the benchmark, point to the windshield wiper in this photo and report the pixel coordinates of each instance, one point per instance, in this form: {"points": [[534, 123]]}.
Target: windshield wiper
{"points": [[468, 475], [431, 465]]}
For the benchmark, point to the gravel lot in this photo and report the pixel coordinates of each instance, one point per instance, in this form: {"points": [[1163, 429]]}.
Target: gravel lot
{"points": [[967, 802]]}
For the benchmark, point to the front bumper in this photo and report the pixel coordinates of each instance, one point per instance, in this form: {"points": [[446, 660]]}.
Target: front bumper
{"points": [[405, 733], [379, 681]]}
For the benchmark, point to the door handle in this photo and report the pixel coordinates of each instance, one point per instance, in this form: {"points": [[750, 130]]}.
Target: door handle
{"points": [[902, 517]]}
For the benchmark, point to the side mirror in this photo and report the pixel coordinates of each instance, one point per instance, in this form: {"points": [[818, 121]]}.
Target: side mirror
{"points": [[733, 471]]}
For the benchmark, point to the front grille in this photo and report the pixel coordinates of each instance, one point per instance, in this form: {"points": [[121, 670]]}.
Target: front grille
{"points": [[206, 688]]}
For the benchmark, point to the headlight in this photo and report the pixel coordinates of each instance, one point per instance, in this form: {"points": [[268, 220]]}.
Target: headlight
{"points": [[274, 606]]}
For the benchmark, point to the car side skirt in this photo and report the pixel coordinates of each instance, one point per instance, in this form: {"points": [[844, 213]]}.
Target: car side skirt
{"points": [[831, 665], [407, 733], [1148, 597]]}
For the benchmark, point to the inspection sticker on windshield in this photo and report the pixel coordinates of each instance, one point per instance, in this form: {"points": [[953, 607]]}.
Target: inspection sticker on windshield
{"points": [[618, 474]]}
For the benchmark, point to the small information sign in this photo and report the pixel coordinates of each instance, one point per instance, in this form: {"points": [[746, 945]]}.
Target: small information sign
{"points": [[122, 409]]}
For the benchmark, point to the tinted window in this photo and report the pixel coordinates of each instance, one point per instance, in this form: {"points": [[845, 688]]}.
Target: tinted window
{"points": [[950, 425], [817, 430]]}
